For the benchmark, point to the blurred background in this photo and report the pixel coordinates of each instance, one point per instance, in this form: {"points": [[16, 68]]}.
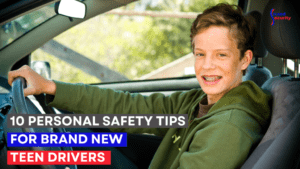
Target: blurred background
{"points": [[148, 45]]}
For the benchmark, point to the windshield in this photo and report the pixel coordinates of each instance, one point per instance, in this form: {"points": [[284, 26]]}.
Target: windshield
{"points": [[10, 31]]}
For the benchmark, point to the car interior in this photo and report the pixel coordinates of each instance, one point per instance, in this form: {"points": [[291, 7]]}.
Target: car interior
{"points": [[274, 44]]}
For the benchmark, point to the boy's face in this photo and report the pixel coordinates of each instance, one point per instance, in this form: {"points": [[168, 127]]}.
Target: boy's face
{"points": [[218, 66]]}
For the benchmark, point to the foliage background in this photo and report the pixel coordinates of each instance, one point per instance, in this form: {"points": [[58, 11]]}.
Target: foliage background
{"points": [[133, 46]]}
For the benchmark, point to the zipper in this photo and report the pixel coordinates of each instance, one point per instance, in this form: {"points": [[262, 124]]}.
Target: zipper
{"points": [[191, 122]]}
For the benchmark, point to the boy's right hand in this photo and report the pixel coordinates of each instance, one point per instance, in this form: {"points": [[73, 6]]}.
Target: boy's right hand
{"points": [[36, 84]]}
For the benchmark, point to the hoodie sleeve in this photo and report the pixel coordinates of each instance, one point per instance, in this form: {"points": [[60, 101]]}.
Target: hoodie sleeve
{"points": [[220, 145], [88, 99]]}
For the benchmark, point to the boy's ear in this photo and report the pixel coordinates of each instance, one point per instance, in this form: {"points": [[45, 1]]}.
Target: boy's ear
{"points": [[248, 55]]}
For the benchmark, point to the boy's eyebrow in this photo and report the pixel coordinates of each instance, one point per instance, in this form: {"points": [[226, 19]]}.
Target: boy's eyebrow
{"points": [[215, 49]]}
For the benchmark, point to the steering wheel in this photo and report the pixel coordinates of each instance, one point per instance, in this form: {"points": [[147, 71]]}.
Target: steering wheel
{"points": [[21, 105]]}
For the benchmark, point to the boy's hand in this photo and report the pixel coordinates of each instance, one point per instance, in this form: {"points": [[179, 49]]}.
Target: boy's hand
{"points": [[36, 84]]}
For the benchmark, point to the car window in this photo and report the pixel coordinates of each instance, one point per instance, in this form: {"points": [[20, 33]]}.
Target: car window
{"points": [[117, 47], [12, 30]]}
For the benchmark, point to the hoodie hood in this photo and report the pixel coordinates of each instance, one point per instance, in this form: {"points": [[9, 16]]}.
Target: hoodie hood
{"points": [[247, 97]]}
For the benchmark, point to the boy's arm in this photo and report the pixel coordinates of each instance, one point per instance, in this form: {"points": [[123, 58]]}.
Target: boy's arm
{"points": [[89, 99]]}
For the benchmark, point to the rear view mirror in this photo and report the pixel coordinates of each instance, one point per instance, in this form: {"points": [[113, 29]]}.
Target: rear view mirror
{"points": [[42, 68], [71, 8]]}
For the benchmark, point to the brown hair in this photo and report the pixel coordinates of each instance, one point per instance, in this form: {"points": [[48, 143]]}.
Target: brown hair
{"points": [[230, 16]]}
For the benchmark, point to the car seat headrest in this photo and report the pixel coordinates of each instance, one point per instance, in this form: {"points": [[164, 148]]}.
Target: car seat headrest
{"points": [[280, 29], [259, 50]]}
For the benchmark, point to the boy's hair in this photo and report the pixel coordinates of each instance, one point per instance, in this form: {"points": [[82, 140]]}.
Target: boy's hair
{"points": [[230, 16]]}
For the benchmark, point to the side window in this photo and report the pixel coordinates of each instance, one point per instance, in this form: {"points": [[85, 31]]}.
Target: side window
{"points": [[117, 47]]}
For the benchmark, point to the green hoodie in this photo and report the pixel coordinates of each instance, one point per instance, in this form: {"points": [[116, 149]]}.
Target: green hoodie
{"points": [[220, 139]]}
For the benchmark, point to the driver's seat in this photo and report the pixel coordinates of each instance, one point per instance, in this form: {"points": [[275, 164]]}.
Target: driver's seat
{"points": [[280, 148]]}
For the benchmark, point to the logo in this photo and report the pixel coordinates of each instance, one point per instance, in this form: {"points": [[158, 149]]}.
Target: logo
{"points": [[278, 16]]}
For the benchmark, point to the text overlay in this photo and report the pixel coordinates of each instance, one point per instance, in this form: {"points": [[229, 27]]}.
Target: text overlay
{"points": [[58, 157], [67, 139], [98, 120]]}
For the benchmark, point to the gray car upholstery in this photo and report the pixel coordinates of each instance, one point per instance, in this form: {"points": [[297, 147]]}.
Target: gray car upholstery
{"points": [[280, 146], [255, 72]]}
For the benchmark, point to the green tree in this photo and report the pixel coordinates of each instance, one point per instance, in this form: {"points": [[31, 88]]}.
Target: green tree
{"points": [[164, 39]]}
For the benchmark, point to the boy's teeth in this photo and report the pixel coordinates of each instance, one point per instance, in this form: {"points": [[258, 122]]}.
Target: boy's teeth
{"points": [[212, 78]]}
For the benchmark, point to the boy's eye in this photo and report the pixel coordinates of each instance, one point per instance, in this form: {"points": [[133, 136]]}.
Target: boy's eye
{"points": [[222, 55], [199, 54]]}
